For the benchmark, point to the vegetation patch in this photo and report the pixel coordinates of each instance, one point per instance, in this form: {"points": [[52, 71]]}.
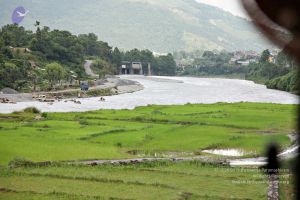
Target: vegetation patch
{"points": [[32, 110], [155, 180], [110, 134], [99, 92]]}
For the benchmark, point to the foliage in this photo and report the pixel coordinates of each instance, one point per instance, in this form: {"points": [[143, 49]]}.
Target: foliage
{"points": [[33, 110], [20, 162], [207, 63], [102, 67], [55, 73], [27, 59], [265, 55], [57, 45], [15, 36], [14, 74], [279, 74], [160, 65], [266, 70], [165, 66], [99, 92], [153, 130], [56, 52], [117, 57], [288, 82], [153, 180], [44, 115], [165, 131]]}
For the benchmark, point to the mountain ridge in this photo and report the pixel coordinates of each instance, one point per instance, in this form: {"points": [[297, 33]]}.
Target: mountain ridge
{"points": [[158, 25]]}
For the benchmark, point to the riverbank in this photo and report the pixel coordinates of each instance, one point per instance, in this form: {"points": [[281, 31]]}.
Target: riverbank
{"points": [[280, 83], [167, 91], [222, 76], [108, 87]]}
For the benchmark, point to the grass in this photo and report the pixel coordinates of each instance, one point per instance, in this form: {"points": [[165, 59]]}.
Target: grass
{"points": [[110, 134], [144, 131], [159, 180]]}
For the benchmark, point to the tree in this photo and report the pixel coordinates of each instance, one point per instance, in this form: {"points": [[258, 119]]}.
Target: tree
{"points": [[166, 65], [14, 74], [7, 53], [15, 36], [117, 57], [1, 59], [285, 60], [37, 23], [265, 56], [54, 73], [208, 54], [103, 67]]}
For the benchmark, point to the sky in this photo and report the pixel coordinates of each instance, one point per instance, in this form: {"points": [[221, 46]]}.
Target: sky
{"points": [[232, 6]]}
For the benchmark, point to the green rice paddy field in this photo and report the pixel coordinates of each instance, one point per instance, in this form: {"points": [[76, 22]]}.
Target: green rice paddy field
{"points": [[161, 131]]}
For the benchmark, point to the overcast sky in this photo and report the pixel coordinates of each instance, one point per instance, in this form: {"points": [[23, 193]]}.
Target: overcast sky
{"points": [[232, 6]]}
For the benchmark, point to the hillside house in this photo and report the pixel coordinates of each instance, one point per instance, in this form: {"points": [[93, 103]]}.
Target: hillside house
{"points": [[19, 50]]}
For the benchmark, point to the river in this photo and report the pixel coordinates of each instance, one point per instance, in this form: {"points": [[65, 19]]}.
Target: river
{"points": [[169, 91]]}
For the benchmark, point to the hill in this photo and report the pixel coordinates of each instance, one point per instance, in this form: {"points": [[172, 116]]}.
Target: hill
{"points": [[158, 25]]}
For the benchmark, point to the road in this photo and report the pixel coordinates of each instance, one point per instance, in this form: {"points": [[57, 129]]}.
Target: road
{"points": [[88, 70]]}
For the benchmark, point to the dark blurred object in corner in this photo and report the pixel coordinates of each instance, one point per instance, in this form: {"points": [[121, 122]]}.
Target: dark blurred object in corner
{"points": [[279, 20]]}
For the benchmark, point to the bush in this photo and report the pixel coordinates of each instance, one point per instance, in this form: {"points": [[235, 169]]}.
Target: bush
{"points": [[20, 162], [99, 92], [44, 115], [32, 110], [287, 83], [119, 144]]}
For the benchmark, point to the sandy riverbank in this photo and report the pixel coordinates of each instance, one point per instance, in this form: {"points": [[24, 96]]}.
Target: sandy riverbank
{"points": [[111, 86]]}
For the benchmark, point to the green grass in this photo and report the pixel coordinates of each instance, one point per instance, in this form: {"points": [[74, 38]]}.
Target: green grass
{"points": [[110, 134], [158, 180], [146, 131]]}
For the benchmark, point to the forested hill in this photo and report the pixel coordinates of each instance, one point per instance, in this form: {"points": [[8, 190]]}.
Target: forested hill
{"points": [[159, 25], [45, 58]]}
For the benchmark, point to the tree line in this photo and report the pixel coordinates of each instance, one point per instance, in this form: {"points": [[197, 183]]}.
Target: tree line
{"points": [[60, 55], [281, 74], [278, 73]]}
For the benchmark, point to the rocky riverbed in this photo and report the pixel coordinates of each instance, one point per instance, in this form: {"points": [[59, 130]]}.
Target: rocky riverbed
{"points": [[114, 85], [166, 91]]}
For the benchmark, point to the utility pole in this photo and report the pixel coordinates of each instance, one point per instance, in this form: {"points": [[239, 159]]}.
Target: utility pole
{"points": [[149, 69]]}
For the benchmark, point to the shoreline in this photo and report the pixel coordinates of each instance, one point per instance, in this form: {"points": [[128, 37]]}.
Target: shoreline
{"points": [[136, 91], [290, 152], [237, 77], [112, 86]]}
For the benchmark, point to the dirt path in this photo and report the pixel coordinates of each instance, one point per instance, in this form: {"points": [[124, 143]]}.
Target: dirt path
{"points": [[203, 158], [206, 159], [88, 70]]}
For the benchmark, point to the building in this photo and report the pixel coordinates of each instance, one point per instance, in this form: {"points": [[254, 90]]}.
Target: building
{"points": [[131, 68], [243, 62], [20, 50]]}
